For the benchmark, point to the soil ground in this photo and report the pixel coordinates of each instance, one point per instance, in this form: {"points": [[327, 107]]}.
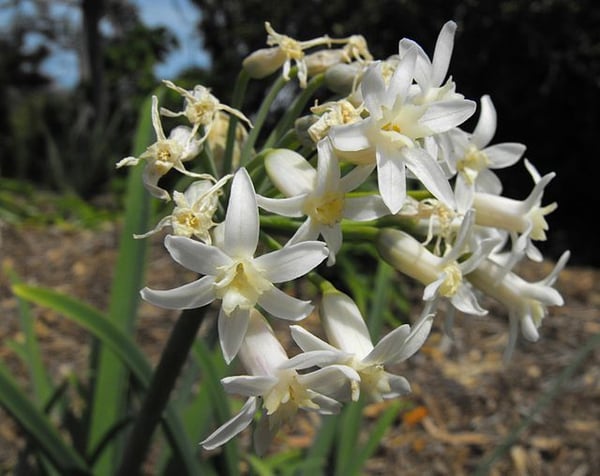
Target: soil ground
{"points": [[464, 403]]}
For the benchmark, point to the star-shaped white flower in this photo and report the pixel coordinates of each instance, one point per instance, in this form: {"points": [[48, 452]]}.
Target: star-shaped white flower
{"points": [[234, 275], [320, 195], [443, 276], [526, 302], [473, 159], [393, 133], [283, 391], [350, 345]]}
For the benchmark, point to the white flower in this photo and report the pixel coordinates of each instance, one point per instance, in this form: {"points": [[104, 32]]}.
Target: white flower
{"points": [[430, 74], [166, 154], [234, 275], [391, 135], [282, 390], [350, 345], [473, 159], [442, 276], [201, 108], [194, 210], [526, 302], [523, 219], [320, 195]]}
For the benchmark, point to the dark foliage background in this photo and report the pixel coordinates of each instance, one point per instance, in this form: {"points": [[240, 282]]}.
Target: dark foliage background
{"points": [[539, 61]]}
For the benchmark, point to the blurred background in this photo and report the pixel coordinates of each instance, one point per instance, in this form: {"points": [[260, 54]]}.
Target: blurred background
{"points": [[73, 75]]}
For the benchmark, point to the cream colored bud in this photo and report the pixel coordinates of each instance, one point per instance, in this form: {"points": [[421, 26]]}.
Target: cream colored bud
{"points": [[264, 62], [342, 78], [321, 61], [302, 126]]}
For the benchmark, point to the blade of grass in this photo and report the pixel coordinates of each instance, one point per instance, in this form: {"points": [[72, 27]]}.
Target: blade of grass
{"points": [[38, 427], [379, 299], [220, 402], [123, 347], [347, 437], [322, 446], [110, 391], [32, 356], [382, 425]]}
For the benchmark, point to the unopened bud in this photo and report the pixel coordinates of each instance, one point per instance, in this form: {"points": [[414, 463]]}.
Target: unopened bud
{"points": [[264, 62], [342, 78], [322, 60]]}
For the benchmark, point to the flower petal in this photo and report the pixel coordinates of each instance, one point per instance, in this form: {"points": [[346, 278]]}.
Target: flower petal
{"points": [[505, 154], [351, 137], [399, 386], [442, 53], [284, 306], [445, 115], [391, 179], [365, 208], [430, 173], [387, 346], [415, 339], [195, 255], [248, 385], [344, 324], [315, 358], [232, 329], [241, 220], [232, 427], [287, 207], [291, 261], [329, 380], [486, 125], [309, 342], [189, 296], [290, 172]]}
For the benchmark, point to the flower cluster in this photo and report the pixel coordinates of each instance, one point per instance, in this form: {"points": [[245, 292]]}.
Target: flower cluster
{"points": [[384, 161]]}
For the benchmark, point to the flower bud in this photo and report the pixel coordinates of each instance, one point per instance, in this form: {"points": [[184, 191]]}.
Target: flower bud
{"points": [[264, 62], [342, 78], [322, 60]]}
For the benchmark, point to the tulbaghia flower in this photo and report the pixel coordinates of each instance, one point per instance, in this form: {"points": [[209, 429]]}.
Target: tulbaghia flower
{"points": [[391, 135], [320, 195], [166, 154], [283, 391], [442, 276], [234, 275], [350, 345], [526, 302], [194, 211], [473, 159], [430, 74], [523, 219], [201, 108]]}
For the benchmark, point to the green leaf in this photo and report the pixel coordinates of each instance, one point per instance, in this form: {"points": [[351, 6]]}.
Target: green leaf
{"points": [[38, 427], [347, 441], [322, 446], [110, 390], [124, 349], [383, 423], [220, 402], [31, 354]]}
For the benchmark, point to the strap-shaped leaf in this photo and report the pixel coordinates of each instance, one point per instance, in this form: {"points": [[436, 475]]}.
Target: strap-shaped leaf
{"points": [[121, 344], [38, 426]]}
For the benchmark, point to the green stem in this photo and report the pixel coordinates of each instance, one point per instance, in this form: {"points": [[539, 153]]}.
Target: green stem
{"points": [[293, 112], [163, 381], [261, 116], [239, 91]]}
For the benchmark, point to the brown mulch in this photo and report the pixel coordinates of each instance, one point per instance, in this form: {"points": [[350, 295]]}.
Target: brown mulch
{"points": [[464, 403]]}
